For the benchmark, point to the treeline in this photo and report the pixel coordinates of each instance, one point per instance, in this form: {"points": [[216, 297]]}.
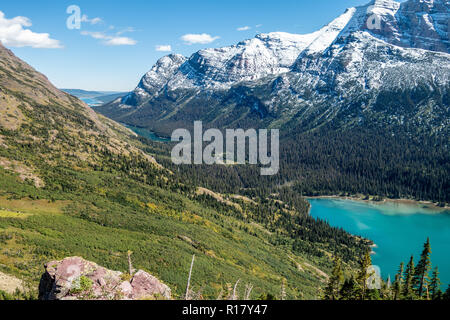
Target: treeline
{"points": [[413, 282], [327, 161], [369, 161]]}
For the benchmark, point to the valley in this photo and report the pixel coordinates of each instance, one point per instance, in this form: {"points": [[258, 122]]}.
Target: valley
{"points": [[94, 98], [358, 110], [104, 193]]}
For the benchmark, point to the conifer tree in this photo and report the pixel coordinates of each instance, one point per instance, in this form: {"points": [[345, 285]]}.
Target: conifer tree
{"points": [[446, 295], [350, 290], [423, 267], [363, 274], [398, 283], [408, 290], [373, 294], [386, 290], [336, 279], [435, 284]]}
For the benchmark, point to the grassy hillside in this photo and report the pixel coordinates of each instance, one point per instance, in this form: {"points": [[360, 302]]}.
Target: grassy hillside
{"points": [[73, 183]]}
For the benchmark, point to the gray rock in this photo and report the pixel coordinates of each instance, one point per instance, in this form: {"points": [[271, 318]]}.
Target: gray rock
{"points": [[77, 279]]}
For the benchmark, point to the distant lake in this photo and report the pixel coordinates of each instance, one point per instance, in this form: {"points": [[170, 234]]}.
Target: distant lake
{"points": [[147, 133], [91, 102], [397, 229]]}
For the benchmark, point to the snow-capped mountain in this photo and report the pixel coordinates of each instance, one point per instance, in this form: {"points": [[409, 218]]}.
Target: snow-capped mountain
{"points": [[420, 24], [155, 79], [386, 60]]}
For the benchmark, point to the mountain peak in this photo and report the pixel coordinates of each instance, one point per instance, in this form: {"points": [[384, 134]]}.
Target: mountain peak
{"points": [[422, 24], [155, 79], [427, 5], [419, 24], [384, 3]]}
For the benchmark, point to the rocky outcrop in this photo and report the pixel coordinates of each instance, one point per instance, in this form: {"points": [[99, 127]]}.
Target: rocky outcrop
{"points": [[77, 279]]}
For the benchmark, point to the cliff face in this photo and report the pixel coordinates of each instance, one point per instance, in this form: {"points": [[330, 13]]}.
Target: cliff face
{"points": [[77, 279], [422, 24]]}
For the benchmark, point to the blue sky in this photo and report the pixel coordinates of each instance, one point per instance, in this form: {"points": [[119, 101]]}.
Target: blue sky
{"points": [[117, 41]]}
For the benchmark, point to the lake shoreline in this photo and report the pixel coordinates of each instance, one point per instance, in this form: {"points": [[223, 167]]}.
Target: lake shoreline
{"points": [[423, 204], [396, 229]]}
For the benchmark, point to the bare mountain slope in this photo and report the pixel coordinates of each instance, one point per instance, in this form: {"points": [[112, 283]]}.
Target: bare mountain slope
{"points": [[35, 113]]}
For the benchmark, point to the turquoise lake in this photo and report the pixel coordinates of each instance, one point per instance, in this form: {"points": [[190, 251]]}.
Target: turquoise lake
{"points": [[146, 133], [398, 230]]}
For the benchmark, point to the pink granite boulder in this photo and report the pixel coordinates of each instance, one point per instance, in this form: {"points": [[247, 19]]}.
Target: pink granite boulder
{"points": [[78, 279]]}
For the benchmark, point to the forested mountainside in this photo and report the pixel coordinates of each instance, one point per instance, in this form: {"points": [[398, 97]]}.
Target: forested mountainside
{"points": [[73, 183], [361, 108]]}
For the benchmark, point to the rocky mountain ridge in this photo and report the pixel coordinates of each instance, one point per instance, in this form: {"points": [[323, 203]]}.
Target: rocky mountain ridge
{"points": [[341, 74], [33, 111]]}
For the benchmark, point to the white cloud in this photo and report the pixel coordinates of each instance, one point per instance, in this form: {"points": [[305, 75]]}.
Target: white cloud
{"points": [[198, 38], [95, 35], [258, 25], [164, 48], [121, 41], [110, 40], [126, 30], [13, 34], [96, 20], [244, 28]]}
